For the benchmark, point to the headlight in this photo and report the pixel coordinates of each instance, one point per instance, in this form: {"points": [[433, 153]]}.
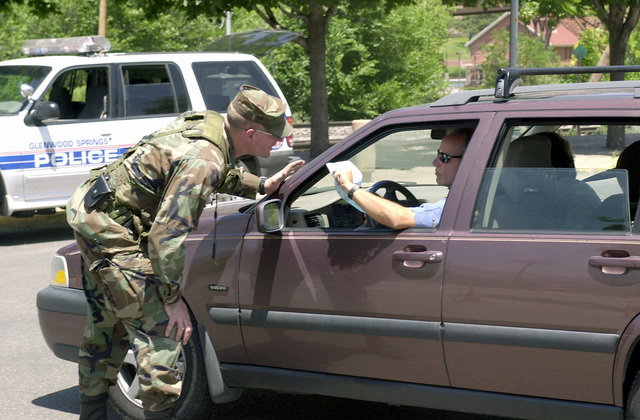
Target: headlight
{"points": [[59, 272]]}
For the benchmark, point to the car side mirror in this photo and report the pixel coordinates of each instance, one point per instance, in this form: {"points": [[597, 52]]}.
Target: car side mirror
{"points": [[43, 111], [269, 216]]}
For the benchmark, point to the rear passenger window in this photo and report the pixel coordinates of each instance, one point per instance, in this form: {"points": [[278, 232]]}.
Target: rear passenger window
{"points": [[550, 177], [150, 90]]}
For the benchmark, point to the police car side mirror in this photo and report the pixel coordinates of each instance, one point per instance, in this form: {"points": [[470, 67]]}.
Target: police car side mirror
{"points": [[43, 111], [269, 216]]}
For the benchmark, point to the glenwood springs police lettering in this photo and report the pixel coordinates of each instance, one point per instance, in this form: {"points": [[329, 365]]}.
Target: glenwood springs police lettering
{"points": [[69, 143]]}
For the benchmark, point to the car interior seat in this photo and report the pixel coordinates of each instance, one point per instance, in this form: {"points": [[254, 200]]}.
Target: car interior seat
{"points": [[62, 97], [95, 105], [528, 198], [579, 198], [629, 160]]}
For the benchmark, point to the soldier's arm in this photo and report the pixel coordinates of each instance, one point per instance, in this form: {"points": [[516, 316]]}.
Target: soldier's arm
{"points": [[186, 192]]}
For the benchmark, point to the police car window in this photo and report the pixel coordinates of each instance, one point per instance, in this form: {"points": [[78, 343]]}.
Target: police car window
{"points": [[81, 93], [12, 78], [219, 82], [559, 176], [149, 91]]}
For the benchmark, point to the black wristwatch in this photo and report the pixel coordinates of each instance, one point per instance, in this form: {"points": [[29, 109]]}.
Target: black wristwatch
{"points": [[261, 185], [353, 189]]}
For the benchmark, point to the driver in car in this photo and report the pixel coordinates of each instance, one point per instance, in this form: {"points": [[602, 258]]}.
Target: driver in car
{"points": [[396, 216]]}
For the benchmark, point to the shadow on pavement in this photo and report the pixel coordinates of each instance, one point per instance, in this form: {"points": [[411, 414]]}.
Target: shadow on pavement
{"points": [[36, 229], [66, 401]]}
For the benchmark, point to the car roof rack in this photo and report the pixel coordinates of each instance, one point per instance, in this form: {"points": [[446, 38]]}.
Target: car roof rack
{"points": [[510, 78]]}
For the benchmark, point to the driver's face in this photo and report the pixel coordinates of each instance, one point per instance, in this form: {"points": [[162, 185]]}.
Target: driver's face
{"points": [[452, 145]]}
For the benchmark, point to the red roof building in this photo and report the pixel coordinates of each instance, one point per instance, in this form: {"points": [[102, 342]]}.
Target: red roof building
{"points": [[563, 39]]}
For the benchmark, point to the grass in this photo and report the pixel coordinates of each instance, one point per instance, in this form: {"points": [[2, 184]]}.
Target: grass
{"points": [[454, 46]]}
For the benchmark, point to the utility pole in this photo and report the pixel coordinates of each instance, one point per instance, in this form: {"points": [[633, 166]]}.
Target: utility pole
{"points": [[229, 22], [102, 18], [513, 34]]}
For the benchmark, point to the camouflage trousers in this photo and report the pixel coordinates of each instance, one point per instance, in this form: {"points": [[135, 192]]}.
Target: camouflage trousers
{"points": [[124, 311]]}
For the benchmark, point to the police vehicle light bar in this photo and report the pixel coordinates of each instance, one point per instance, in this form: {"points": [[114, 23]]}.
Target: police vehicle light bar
{"points": [[75, 45]]}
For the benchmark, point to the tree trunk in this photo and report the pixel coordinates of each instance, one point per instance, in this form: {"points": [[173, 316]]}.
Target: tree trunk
{"points": [[604, 61], [615, 133], [620, 21], [317, 62]]}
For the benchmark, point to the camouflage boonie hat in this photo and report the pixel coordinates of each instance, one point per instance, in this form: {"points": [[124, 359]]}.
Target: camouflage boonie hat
{"points": [[256, 105]]}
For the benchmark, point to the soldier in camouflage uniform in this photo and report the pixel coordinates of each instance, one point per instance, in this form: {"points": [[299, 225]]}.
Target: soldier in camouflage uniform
{"points": [[130, 220]]}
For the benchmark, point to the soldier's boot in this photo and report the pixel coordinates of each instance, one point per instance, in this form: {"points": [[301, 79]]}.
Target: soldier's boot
{"points": [[93, 408], [159, 415]]}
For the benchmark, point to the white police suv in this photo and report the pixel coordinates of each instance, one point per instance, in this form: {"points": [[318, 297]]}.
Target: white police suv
{"points": [[62, 115]]}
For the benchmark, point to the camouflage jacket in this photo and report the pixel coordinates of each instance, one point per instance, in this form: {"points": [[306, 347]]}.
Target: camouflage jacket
{"points": [[163, 183]]}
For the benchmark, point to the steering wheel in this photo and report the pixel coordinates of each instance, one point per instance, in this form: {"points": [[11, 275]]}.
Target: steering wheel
{"points": [[391, 190]]}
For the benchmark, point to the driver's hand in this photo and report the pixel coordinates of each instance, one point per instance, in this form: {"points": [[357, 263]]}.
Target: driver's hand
{"points": [[344, 178]]}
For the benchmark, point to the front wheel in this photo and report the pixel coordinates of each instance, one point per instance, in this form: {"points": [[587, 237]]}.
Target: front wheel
{"points": [[194, 401], [633, 400]]}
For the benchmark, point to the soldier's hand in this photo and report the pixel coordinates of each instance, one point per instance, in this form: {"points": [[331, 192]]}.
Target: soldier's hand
{"points": [[179, 318], [272, 184]]}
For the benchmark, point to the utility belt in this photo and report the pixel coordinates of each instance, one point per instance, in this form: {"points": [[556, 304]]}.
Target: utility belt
{"points": [[101, 197]]}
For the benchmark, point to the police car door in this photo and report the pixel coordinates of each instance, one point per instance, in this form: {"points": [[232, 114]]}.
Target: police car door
{"points": [[103, 111]]}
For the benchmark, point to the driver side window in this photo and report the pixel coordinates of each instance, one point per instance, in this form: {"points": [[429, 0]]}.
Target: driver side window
{"points": [[81, 93], [404, 157]]}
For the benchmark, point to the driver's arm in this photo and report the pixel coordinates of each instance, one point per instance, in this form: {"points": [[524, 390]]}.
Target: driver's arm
{"points": [[379, 209]]}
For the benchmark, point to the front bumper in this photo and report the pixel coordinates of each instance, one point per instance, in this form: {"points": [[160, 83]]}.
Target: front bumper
{"points": [[62, 314]]}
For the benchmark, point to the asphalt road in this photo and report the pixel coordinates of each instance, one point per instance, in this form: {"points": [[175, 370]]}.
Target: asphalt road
{"points": [[37, 385]]}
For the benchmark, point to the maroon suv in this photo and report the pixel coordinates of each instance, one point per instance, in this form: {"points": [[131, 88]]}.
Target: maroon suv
{"points": [[523, 301]]}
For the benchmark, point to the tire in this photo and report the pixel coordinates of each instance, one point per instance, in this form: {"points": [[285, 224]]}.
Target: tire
{"points": [[632, 411], [194, 402]]}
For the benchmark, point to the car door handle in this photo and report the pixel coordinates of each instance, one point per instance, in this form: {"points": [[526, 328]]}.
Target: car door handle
{"points": [[615, 265], [626, 262], [416, 259]]}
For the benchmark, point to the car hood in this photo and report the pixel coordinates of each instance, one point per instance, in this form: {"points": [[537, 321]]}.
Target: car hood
{"points": [[258, 43]]}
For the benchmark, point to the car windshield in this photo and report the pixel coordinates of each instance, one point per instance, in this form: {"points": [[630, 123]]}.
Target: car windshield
{"points": [[11, 80]]}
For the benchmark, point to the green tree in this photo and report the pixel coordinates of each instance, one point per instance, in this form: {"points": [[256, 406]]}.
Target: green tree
{"points": [[619, 18], [314, 17], [129, 28], [37, 7], [376, 61], [531, 53], [545, 15]]}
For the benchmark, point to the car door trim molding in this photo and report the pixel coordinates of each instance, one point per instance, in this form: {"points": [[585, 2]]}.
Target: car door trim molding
{"points": [[425, 330], [429, 330], [532, 337]]}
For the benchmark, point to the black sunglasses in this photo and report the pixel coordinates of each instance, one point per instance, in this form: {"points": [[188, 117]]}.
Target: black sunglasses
{"points": [[445, 157]]}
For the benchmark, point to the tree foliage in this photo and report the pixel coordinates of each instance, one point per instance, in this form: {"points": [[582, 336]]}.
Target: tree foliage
{"points": [[545, 15], [376, 61], [619, 18], [129, 28], [314, 17], [531, 53]]}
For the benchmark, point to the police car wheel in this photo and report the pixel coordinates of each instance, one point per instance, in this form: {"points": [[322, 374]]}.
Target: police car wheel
{"points": [[194, 402]]}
